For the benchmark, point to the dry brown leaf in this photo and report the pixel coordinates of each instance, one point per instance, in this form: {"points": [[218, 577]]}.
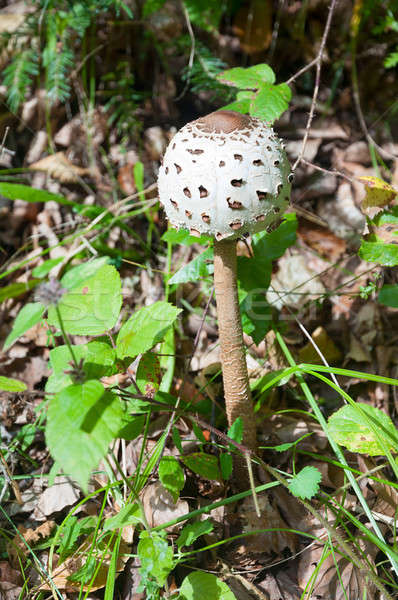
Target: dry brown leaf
{"points": [[348, 583], [17, 546], [323, 241], [159, 506], [58, 166], [125, 179], [10, 22], [71, 565], [56, 497]]}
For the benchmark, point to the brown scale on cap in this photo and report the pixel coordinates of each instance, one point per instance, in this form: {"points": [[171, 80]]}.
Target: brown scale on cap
{"points": [[223, 121]]}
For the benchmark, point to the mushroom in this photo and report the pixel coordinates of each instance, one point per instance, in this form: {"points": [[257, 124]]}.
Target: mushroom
{"points": [[224, 175]]}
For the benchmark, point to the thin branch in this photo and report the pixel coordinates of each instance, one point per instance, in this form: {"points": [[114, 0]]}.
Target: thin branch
{"points": [[318, 63]]}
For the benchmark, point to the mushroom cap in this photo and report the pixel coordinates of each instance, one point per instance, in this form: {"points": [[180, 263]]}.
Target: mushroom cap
{"points": [[224, 175]]}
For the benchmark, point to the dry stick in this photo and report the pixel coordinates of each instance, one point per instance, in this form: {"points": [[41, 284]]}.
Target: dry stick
{"points": [[237, 394], [318, 62]]}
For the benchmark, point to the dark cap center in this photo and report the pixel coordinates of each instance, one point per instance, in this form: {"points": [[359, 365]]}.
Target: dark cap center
{"points": [[224, 121]]}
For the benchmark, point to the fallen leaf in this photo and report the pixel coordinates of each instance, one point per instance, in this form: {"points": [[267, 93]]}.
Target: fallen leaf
{"points": [[326, 345], [58, 166], [378, 192]]}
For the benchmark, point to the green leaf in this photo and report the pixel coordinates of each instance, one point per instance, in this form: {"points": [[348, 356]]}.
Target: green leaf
{"points": [[131, 514], [201, 266], [79, 274], [204, 14], [351, 427], [28, 316], [205, 465], [190, 533], [82, 420], [379, 252], [235, 432], [149, 375], [204, 586], [98, 361], [17, 289], [171, 476], [18, 191], [71, 531], [156, 556], [93, 306], [306, 483], [45, 268], [132, 427], [388, 295], [242, 105], [271, 101], [138, 174], [12, 385], [250, 78], [182, 236], [145, 328], [226, 465]]}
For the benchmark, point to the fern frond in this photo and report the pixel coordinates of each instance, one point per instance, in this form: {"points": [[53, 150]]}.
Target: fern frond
{"points": [[18, 76]]}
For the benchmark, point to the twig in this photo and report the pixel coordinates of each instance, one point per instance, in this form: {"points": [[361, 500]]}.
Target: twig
{"points": [[192, 51], [318, 63]]}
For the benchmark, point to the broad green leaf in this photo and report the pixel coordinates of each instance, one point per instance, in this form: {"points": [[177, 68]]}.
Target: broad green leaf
{"points": [[12, 385], [182, 236], [131, 514], [82, 420], [79, 274], [18, 191], [93, 306], [306, 483], [28, 316], [271, 101], [171, 475], [98, 361], [388, 295], [190, 533], [199, 267], [156, 556], [145, 328], [226, 465], [379, 252], [235, 432], [131, 427], [351, 428], [242, 105], [205, 465], [17, 289], [378, 192], [250, 78], [204, 586], [45, 268], [149, 375]]}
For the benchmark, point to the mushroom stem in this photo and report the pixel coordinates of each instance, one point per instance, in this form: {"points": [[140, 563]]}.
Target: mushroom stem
{"points": [[237, 394]]}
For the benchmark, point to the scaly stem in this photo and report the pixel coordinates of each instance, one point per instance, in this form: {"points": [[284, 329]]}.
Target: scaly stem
{"points": [[237, 394]]}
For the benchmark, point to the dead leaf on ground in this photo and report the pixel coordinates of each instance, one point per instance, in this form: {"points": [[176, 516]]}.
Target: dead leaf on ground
{"points": [[17, 546], [58, 166], [309, 354], [56, 497], [159, 506], [323, 241], [335, 576]]}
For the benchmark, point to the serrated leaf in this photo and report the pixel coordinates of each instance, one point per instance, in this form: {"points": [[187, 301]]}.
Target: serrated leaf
{"points": [[271, 101], [203, 586], [92, 307], [82, 420], [350, 427], [171, 475], [249, 78], [388, 295], [378, 192], [201, 266], [306, 483], [156, 556], [12, 385], [190, 533], [28, 316], [205, 465], [79, 274], [145, 328], [379, 252], [98, 361]]}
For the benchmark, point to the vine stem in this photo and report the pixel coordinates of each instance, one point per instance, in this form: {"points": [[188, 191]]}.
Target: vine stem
{"points": [[238, 401], [66, 337]]}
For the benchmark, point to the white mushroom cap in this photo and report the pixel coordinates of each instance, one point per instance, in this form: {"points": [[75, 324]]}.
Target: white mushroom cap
{"points": [[224, 175]]}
